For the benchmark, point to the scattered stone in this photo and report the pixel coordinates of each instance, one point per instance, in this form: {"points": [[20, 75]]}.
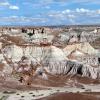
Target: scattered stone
{"points": [[22, 96], [83, 88], [9, 92], [30, 93], [88, 90], [17, 94], [33, 95]]}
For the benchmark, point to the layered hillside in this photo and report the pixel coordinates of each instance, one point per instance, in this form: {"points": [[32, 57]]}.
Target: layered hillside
{"points": [[30, 53]]}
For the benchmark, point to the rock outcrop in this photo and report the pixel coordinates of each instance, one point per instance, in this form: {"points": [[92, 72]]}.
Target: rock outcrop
{"points": [[84, 47], [41, 48]]}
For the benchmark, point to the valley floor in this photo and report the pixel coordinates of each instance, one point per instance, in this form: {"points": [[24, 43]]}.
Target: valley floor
{"points": [[87, 92]]}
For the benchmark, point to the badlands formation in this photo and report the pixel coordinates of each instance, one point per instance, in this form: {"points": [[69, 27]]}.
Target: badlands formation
{"points": [[49, 59]]}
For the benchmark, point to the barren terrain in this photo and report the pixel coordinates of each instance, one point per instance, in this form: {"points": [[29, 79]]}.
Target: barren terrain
{"points": [[50, 63]]}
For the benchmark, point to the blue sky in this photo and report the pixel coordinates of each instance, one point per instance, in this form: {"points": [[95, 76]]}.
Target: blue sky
{"points": [[49, 12]]}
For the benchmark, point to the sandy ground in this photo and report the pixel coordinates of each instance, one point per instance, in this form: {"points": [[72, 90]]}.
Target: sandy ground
{"points": [[11, 89], [72, 96], [49, 93]]}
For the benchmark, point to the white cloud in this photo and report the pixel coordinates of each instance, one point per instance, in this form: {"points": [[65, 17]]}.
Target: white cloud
{"points": [[66, 11], [84, 2], [71, 16], [82, 10], [4, 4], [13, 7], [8, 5], [22, 19], [74, 16], [98, 11]]}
